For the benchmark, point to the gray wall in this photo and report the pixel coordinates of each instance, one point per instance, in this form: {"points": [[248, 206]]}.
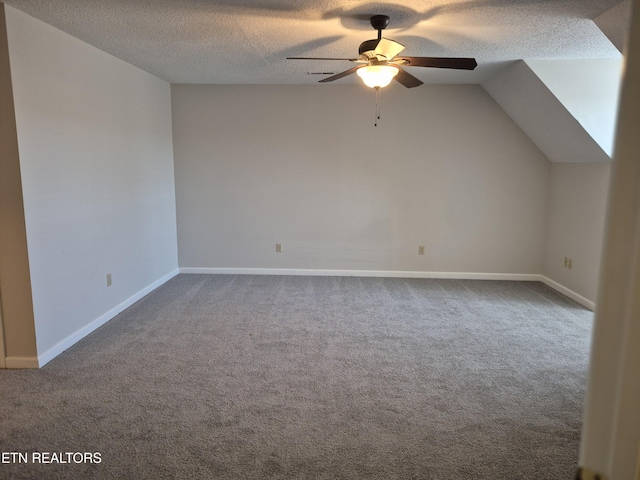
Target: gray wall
{"points": [[563, 114], [304, 166], [95, 148], [575, 225]]}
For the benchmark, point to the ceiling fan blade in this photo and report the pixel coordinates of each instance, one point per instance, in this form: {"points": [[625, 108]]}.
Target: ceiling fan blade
{"points": [[438, 62], [405, 78], [324, 58], [388, 48], [340, 75]]}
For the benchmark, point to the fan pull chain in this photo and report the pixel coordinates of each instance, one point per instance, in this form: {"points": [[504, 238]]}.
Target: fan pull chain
{"points": [[375, 124]]}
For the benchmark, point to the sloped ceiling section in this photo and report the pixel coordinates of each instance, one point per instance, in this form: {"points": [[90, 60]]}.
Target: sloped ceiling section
{"points": [[588, 89], [568, 107], [614, 23], [542, 116]]}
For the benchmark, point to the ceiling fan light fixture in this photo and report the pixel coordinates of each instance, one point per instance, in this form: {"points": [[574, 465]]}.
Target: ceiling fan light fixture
{"points": [[377, 76]]}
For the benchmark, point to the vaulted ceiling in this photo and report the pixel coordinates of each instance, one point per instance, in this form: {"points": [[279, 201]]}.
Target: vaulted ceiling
{"points": [[247, 42]]}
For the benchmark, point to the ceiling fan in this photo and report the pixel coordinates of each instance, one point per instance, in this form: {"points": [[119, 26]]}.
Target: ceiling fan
{"points": [[381, 63]]}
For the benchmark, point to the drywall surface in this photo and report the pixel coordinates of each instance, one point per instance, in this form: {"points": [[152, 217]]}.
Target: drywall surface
{"points": [[304, 166], [614, 23], [589, 89], [94, 138], [576, 218], [16, 307], [547, 122]]}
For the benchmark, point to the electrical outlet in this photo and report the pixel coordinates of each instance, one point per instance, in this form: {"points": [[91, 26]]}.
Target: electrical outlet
{"points": [[421, 250], [278, 248], [108, 280]]}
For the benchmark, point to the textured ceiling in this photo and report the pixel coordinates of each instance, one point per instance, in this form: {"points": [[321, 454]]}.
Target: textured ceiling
{"points": [[236, 41]]}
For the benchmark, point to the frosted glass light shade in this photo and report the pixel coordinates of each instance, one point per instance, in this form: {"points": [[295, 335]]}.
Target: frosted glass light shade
{"points": [[375, 76]]}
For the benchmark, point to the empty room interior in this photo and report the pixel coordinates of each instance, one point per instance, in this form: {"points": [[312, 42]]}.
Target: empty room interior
{"points": [[223, 255]]}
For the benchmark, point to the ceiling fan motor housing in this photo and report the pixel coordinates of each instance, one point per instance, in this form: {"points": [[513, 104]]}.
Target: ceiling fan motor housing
{"points": [[368, 47], [379, 22]]}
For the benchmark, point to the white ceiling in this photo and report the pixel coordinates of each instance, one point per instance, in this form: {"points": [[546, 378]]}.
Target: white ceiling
{"points": [[247, 42]]}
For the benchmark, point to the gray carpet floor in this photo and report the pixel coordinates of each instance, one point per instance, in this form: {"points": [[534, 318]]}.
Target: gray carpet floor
{"points": [[273, 377]]}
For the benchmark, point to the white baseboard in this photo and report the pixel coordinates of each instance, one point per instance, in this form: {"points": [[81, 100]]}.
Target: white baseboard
{"points": [[21, 362], [78, 335], [362, 273], [585, 302], [529, 277], [57, 349]]}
